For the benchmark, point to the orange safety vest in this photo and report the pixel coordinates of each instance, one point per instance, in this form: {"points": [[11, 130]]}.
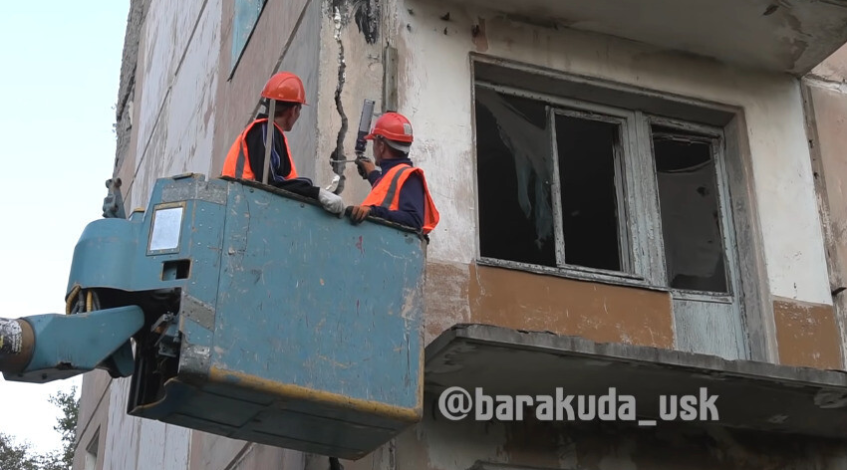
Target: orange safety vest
{"points": [[237, 164], [386, 193]]}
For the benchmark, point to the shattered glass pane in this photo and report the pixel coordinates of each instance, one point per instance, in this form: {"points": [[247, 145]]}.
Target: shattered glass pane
{"points": [[688, 194], [513, 160]]}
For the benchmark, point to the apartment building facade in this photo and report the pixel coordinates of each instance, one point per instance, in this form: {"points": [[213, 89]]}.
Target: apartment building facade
{"points": [[658, 174]]}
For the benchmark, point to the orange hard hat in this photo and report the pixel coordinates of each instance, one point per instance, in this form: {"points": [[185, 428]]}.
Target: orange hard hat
{"points": [[285, 86], [395, 128]]}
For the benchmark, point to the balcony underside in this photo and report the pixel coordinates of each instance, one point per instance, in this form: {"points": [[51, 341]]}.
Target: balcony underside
{"points": [[751, 395], [790, 36]]}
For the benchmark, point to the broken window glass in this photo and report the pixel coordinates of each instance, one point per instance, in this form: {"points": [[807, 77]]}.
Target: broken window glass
{"points": [[690, 209], [514, 179], [590, 206]]}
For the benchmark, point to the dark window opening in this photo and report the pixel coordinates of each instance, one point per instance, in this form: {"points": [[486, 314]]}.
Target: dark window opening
{"points": [[514, 179], [689, 202], [587, 169]]}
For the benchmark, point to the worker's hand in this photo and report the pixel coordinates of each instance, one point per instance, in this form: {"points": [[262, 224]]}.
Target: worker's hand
{"points": [[331, 202], [358, 213], [365, 166]]}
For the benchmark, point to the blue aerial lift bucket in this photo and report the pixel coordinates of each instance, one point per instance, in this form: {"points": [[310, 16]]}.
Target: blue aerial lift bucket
{"points": [[254, 314]]}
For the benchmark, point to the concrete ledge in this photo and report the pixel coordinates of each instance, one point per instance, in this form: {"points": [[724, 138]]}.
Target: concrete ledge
{"points": [[751, 395], [778, 37]]}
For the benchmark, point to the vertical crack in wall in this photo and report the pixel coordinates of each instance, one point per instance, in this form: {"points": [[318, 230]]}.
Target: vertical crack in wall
{"points": [[338, 154]]}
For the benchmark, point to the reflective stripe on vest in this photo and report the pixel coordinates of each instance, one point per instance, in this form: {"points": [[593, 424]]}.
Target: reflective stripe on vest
{"points": [[237, 164], [392, 187], [386, 194]]}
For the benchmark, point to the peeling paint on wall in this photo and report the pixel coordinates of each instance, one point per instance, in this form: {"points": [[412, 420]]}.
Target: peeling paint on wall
{"points": [[807, 334], [365, 13]]}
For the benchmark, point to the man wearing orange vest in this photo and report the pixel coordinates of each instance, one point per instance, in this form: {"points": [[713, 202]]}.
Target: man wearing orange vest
{"points": [[399, 192], [246, 157]]}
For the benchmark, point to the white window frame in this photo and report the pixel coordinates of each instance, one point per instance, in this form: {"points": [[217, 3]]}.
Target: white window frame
{"points": [[641, 247]]}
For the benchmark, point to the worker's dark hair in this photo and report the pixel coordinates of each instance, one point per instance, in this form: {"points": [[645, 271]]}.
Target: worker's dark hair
{"points": [[398, 153], [281, 107]]}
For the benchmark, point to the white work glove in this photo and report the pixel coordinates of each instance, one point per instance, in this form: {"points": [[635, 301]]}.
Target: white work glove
{"points": [[331, 202]]}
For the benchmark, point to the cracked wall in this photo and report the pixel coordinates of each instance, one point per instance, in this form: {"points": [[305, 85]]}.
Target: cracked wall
{"points": [[351, 71]]}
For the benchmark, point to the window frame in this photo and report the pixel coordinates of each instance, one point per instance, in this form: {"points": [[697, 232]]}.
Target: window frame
{"points": [[92, 451], [756, 308], [235, 57], [717, 141], [621, 185], [639, 217]]}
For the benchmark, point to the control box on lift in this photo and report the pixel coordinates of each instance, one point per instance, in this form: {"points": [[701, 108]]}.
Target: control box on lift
{"points": [[254, 314]]}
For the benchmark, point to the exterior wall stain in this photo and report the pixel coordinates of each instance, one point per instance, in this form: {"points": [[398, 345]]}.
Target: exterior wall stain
{"points": [[807, 334], [458, 293], [368, 19], [598, 312], [365, 13], [447, 297], [478, 34]]}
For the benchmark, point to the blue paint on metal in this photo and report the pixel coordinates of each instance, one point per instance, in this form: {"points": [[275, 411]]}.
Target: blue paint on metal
{"points": [[335, 301], [121, 363], [66, 345]]}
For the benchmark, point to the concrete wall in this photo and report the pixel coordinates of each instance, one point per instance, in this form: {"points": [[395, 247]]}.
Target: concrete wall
{"points": [[176, 86]]}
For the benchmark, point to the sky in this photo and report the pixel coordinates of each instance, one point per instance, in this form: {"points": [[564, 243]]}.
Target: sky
{"points": [[59, 74]]}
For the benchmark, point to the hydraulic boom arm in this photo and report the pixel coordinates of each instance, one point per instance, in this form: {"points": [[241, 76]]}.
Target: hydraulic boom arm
{"points": [[43, 348]]}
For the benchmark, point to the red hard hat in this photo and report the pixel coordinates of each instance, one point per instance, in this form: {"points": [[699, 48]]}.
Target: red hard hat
{"points": [[392, 126], [285, 86]]}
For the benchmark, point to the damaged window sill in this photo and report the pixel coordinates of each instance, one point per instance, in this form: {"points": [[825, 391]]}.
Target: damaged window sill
{"points": [[621, 279], [612, 279]]}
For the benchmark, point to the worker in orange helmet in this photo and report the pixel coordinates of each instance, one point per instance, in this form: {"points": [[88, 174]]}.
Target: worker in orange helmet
{"points": [[246, 157], [399, 192]]}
